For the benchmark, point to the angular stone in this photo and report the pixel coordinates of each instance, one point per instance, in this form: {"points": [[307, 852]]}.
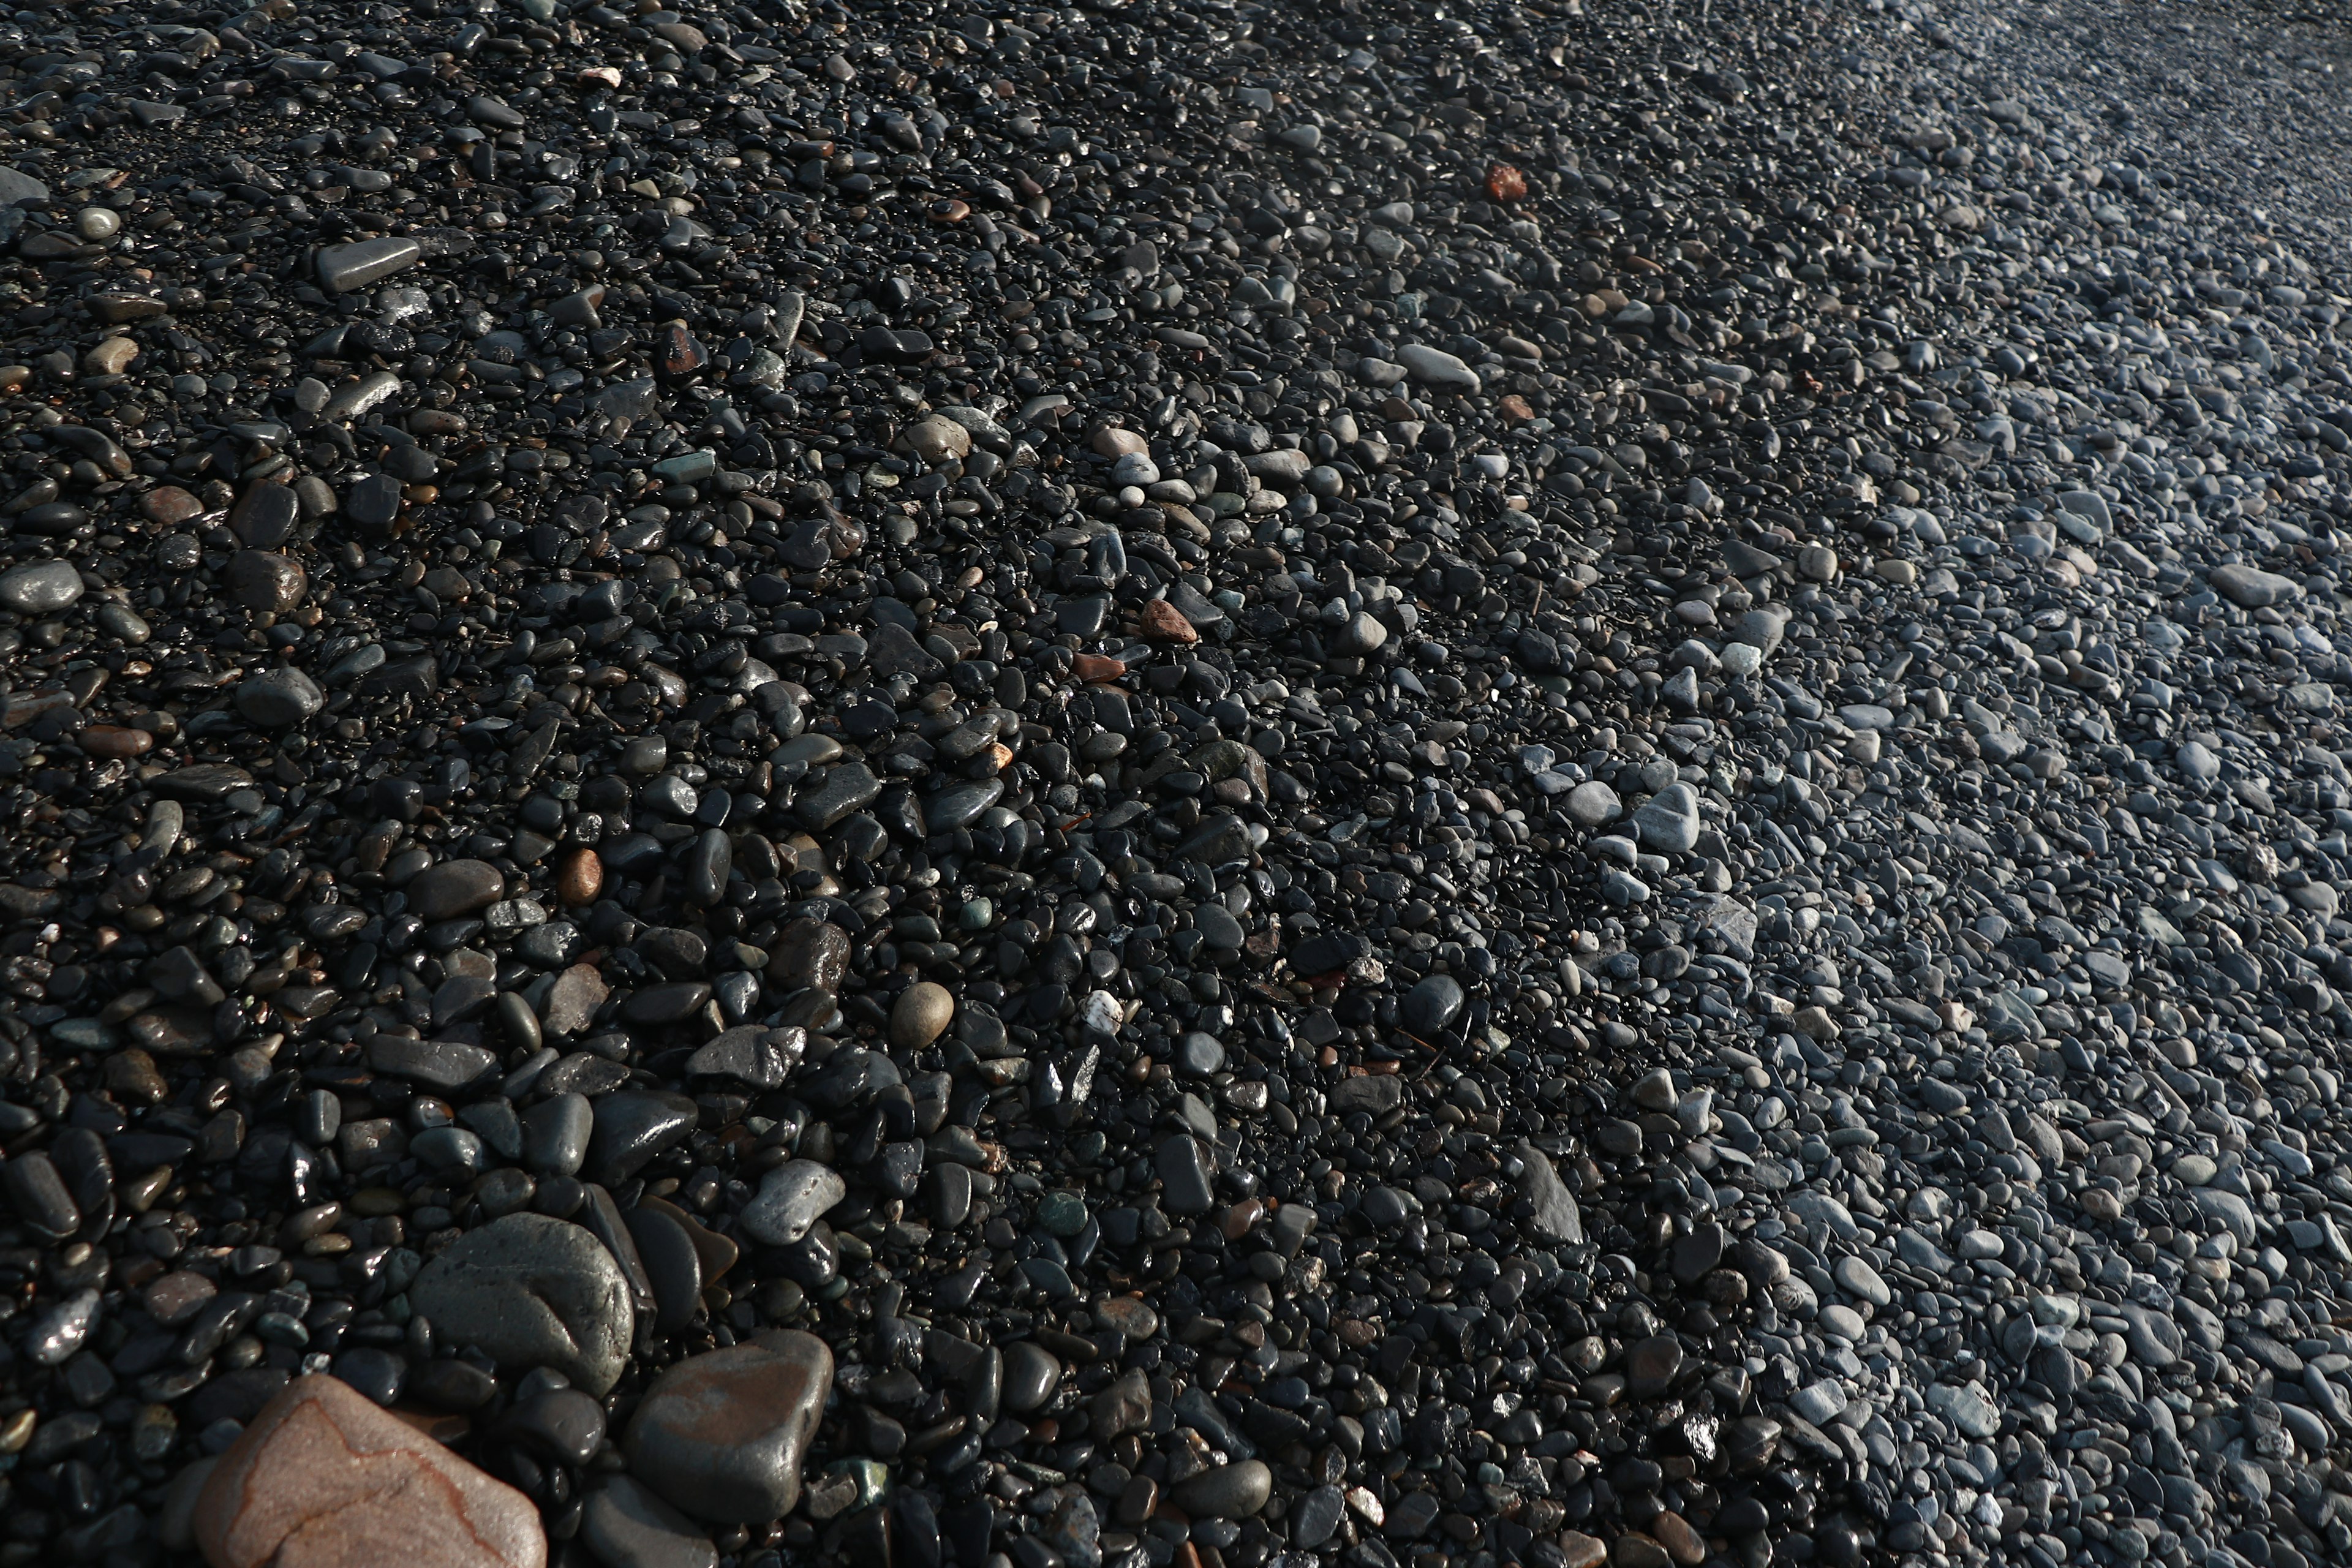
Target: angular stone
{"points": [[789, 1201], [264, 580], [1555, 1213], [809, 952], [762, 1058], [280, 699], [323, 1478], [1668, 821]]}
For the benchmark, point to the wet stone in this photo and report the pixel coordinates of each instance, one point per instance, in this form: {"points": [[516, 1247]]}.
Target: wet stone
{"points": [[531, 1292], [260, 580], [1257, 748], [41, 589], [627, 1526], [342, 267], [280, 699], [1226, 1491], [454, 888], [789, 1201], [723, 1435]]}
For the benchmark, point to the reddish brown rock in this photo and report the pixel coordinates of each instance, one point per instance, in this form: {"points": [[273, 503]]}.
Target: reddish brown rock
{"points": [[324, 1479], [1162, 622], [168, 504], [580, 879], [116, 741]]}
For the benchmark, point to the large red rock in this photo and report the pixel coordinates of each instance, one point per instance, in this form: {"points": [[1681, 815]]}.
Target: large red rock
{"points": [[324, 1479]]}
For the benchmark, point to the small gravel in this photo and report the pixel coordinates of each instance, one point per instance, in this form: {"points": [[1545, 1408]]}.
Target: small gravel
{"points": [[1174, 785]]}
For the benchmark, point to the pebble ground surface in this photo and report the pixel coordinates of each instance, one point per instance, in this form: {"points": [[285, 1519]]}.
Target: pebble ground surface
{"points": [[1199, 785]]}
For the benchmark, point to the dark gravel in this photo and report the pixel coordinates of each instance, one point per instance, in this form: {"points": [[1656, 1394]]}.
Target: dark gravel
{"points": [[1174, 785]]}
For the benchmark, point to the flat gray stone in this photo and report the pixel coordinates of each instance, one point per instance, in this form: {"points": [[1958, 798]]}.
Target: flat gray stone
{"points": [[532, 1291], [41, 589], [342, 267], [18, 186], [1592, 803], [1435, 367], [2250, 588]]}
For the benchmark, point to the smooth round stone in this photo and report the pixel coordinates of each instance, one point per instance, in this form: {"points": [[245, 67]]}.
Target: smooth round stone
{"points": [[531, 1292], [722, 1435], [1062, 1212], [1218, 928], [97, 224], [555, 1134], [1842, 1321], [627, 1526], [1858, 1278], [280, 699], [563, 1424], [42, 588], [505, 1191], [454, 888], [920, 1016], [668, 1003], [962, 805], [1432, 1004], [951, 1194], [381, 1374], [1227, 1492], [1199, 1055], [453, 1384], [1031, 1375]]}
